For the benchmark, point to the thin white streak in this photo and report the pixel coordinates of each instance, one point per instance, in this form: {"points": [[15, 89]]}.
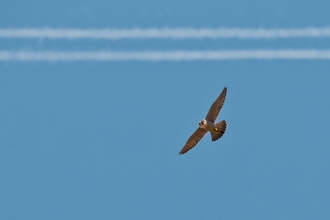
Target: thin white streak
{"points": [[287, 54], [165, 33]]}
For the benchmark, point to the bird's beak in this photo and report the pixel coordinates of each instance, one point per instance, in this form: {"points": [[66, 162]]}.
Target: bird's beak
{"points": [[200, 122]]}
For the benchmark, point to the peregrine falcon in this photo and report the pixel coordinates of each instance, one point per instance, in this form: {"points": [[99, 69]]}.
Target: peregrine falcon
{"points": [[208, 124]]}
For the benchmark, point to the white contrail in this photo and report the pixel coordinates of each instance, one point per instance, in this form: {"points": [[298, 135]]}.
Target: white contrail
{"points": [[288, 54], [165, 33]]}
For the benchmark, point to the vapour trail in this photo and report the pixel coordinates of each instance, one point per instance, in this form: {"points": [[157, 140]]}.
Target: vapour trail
{"points": [[165, 33], [286, 54]]}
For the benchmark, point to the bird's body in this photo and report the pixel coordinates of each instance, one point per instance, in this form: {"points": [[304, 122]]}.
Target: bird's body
{"points": [[208, 124]]}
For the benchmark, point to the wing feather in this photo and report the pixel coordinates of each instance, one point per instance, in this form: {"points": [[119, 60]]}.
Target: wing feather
{"points": [[216, 106], [193, 140]]}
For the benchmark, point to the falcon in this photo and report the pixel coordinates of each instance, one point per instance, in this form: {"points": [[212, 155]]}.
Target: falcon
{"points": [[208, 124]]}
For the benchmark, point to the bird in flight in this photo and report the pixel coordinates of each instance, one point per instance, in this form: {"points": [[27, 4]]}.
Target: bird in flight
{"points": [[208, 124]]}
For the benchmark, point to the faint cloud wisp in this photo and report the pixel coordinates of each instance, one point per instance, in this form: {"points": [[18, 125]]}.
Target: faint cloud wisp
{"points": [[165, 33], [164, 55]]}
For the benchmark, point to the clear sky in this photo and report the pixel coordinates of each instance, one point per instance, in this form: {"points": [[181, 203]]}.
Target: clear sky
{"points": [[100, 140]]}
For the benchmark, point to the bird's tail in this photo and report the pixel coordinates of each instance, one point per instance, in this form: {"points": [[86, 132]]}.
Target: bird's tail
{"points": [[219, 130]]}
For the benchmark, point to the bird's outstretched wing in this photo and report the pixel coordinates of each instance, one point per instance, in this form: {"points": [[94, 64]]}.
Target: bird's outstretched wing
{"points": [[193, 140], [216, 106]]}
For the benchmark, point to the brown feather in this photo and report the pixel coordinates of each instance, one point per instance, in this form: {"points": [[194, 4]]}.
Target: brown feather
{"points": [[193, 140], [216, 106], [221, 128]]}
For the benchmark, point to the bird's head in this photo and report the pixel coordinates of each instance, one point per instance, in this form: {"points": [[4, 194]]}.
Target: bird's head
{"points": [[203, 122]]}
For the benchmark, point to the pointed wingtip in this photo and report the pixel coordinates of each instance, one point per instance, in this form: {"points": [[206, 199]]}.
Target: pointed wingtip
{"points": [[183, 152]]}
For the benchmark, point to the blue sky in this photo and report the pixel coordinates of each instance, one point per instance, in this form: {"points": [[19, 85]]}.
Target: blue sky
{"points": [[100, 140], [146, 13]]}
